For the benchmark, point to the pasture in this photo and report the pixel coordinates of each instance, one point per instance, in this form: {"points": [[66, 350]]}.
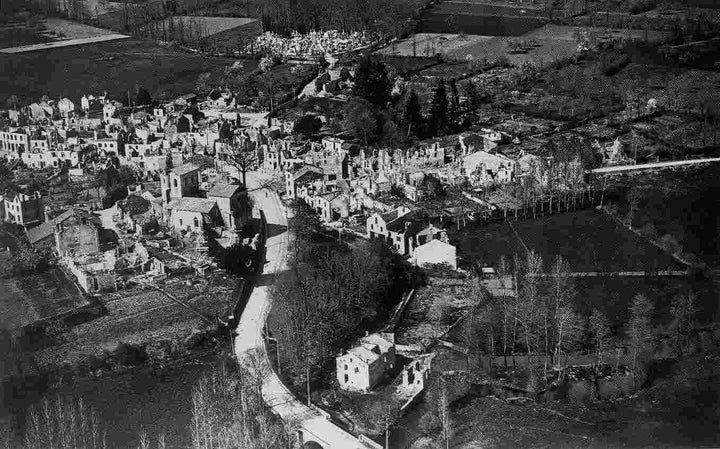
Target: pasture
{"points": [[588, 240]]}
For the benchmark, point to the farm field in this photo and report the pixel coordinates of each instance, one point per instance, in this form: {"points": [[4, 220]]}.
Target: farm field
{"points": [[588, 240], [142, 316], [114, 67], [50, 29], [28, 299], [550, 43]]}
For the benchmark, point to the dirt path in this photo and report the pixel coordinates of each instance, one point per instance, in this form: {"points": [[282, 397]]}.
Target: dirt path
{"points": [[66, 43]]}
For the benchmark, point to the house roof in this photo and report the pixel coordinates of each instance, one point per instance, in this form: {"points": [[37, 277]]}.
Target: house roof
{"points": [[47, 229], [222, 190], [185, 169], [435, 244], [201, 205]]}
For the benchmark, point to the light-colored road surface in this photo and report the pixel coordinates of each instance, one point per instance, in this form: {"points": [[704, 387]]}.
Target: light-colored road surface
{"points": [[249, 339], [65, 43], [654, 165]]}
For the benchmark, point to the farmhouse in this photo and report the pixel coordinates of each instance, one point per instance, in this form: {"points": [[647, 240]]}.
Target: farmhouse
{"points": [[365, 365], [436, 252]]}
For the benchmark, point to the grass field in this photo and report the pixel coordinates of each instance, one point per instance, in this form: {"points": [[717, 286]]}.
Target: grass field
{"points": [[114, 67], [27, 299], [588, 240], [141, 316]]}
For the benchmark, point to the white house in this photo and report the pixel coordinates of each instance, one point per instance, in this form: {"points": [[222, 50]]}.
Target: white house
{"points": [[365, 365], [436, 252], [190, 214]]}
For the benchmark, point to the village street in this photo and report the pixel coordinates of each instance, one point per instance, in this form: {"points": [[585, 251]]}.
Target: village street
{"points": [[248, 345]]}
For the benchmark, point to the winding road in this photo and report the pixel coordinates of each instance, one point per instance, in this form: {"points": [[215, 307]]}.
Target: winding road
{"points": [[314, 430]]}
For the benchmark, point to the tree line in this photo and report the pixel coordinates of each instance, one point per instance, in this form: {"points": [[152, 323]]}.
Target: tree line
{"points": [[541, 320]]}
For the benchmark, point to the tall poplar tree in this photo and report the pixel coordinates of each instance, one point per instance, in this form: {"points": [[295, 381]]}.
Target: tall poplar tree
{"points": [[439, 110], [412, 115]]}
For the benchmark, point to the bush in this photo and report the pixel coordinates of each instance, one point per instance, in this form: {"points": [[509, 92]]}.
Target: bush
{"points": [[127, 354], [581, 392], [640, 6], [429, 423], [610, 66], [609, 389], [441, 311]]}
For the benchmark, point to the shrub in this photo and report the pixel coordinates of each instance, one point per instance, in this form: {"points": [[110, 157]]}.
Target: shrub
{"points": [[640, 6], [581, 392], [609, 388], [611, 66], [440, 311], [429, 423]]}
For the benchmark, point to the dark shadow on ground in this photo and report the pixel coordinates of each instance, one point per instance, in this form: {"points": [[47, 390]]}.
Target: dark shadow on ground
{"points": [[275, 229]]}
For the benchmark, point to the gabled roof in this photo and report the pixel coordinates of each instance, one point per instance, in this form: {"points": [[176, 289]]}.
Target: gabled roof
{"points": [[184, 169], [200, 205], [47, 229], [222, 190]]}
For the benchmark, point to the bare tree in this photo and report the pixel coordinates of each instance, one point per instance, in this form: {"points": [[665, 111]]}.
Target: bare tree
{"points": [[683, 310], [600, 332], [641, 333], [444, 415], [63, 424], [228, 412], [241, 155]]}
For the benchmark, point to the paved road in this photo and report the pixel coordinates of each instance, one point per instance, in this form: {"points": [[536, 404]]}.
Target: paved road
{"points": [[249, 346]]}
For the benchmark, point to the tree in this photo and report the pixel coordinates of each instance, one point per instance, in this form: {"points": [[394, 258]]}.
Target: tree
{"points": [[229, 412], [12, 101], [202, 84], [599, 328], [684, 312], [434, 186], [240, 155], [641, 334], [439, 110], [454, 107], [361, 121], [444, 415], [372, 82], [142, 96], [304, 223], [412, 115], [307, 125], [63, 424], [559, 314]]}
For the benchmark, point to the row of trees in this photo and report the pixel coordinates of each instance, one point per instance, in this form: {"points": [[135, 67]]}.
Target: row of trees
{"points": [[330, 293], [542, 320], [391, 115], [227, 412]]}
